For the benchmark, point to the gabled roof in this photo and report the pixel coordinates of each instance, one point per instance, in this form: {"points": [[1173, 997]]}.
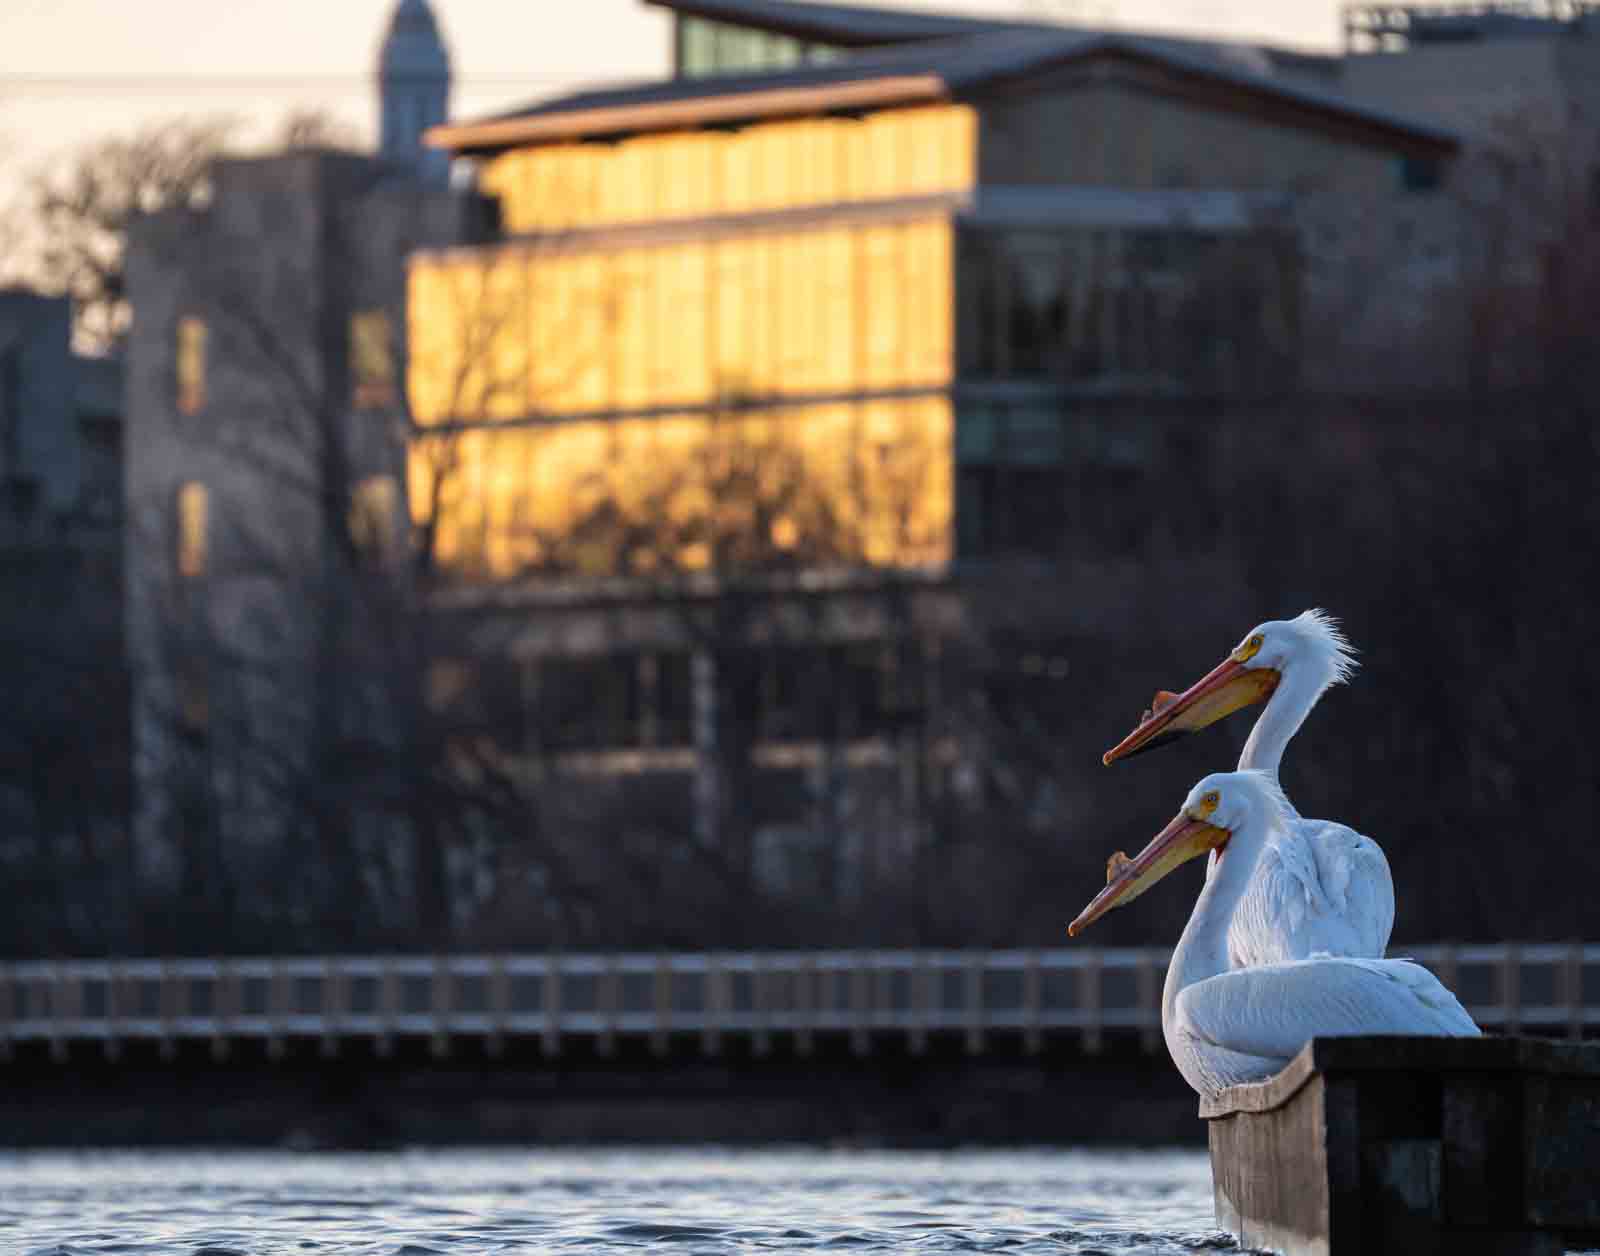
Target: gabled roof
{"points": [[923, 71]]}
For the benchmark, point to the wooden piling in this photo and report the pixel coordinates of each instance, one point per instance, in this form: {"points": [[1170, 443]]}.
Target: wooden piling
{"points": [[1416, 1145]]}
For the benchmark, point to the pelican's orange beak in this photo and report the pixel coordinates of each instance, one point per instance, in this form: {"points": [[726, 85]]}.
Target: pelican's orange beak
{"points": [[1185, 838], [1226, 688]]}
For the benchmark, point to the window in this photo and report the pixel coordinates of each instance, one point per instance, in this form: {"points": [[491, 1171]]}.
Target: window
{"points": [[697, 47], [372, 373], [1011, 509], [193, 696], [449, 683], [191, 365], [193, 543], [674, 698], [877, 688], [707, 47], [1136, 309], [1420, 174], [1024, 680], [589, 703], [373, 505]]}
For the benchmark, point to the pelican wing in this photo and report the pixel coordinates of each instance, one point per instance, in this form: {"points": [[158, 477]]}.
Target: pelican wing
{"points": [[1319, 888], [1273, 1011]]}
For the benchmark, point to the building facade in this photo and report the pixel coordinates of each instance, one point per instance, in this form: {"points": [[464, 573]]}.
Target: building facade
{"points": [[899, 262], [857, 300], [264, 483], [695, 451], [64, 744], [60, 426]]}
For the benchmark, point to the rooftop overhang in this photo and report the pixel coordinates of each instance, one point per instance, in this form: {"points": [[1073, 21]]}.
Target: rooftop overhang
{"points": [[468, 138], [971, 70]]}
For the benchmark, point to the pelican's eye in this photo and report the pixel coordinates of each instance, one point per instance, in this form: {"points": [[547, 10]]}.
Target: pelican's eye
{"points": [[1249, 649], [1207, 806]]}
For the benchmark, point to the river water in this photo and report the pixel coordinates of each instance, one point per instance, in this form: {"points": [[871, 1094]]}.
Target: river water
{"points": [[681, 1201]]}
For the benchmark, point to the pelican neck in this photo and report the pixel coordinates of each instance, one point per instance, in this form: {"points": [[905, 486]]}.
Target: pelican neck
{"points": [[1202, 950], [1298, 689]]}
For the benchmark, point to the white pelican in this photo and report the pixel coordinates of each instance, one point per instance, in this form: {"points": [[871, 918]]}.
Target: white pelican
{"points": [[1226, 1025], [1320, 887]]}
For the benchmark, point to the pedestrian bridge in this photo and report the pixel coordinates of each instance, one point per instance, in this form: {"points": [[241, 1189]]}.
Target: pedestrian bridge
{"points": [[705, 1002]]}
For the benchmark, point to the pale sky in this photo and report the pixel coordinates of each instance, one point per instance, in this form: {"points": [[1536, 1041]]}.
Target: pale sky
{"points": [[72, 71]]}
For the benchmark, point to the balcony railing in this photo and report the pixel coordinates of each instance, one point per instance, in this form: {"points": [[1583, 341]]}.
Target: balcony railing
{"points": [[1077, 996], [1397, 27]]}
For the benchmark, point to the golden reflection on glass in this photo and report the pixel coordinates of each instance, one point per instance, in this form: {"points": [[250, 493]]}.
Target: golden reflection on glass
{"points": [[194, 696], [191, 365], [446, 683], [581, 341], [773, 165], [841, 308], [372, 373], [374, 502], [194, 510], [863, 482], [469, 338]]}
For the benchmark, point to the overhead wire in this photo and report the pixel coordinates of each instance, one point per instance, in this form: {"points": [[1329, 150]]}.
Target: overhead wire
{"points": [[206, 84]]}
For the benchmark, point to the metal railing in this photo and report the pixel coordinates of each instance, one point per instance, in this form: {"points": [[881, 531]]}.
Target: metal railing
{"points": [[1395, 27], [870, 997]]}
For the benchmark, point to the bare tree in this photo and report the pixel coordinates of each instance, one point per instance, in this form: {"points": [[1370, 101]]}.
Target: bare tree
{"points": [[82, 212], [327, 756], [13, 228], [315, 128]]}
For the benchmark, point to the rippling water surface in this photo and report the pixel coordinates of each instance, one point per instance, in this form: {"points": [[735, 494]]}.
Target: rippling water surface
{"points": [[683, 1201]]}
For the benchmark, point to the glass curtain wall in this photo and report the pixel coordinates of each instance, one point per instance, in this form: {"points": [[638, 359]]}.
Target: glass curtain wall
{"points": [[885, 155], [1079, 348], [1172, 310], [759, 395]]}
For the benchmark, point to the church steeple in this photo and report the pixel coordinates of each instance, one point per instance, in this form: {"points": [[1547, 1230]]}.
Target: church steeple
{"points": [[414, 89]]}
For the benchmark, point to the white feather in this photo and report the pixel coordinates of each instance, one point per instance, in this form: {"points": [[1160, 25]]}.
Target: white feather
{"points": [[1320, 886], [1226, 1024], [1245, 1025]]}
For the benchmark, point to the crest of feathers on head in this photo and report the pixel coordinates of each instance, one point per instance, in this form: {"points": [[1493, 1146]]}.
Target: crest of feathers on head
{"points": [[1323, 631]]}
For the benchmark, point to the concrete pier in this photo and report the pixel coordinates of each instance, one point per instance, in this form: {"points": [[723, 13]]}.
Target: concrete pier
{"points": [[1415, 1145]]}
